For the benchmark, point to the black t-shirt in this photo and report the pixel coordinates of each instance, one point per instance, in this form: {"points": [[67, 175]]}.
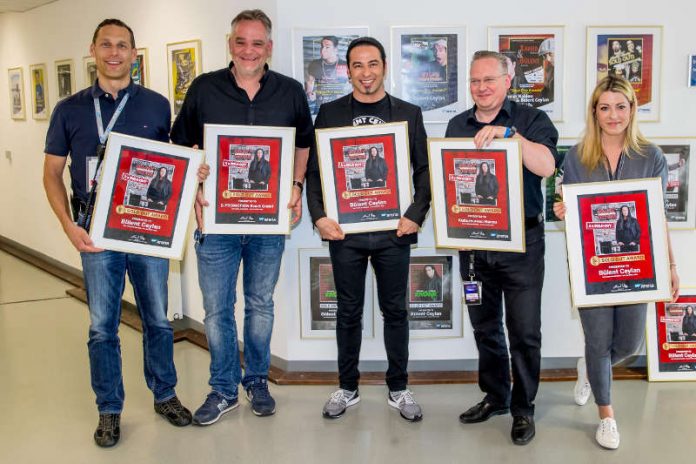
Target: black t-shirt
{"points": [[371, 113]]}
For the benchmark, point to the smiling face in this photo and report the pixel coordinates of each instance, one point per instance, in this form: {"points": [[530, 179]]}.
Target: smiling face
{"points": [[488, 84], [441, 54], [250, 48], [613, 113], [367, 71], [113, 53]]}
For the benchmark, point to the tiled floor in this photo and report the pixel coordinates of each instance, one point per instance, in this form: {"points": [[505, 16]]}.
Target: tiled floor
{"points": [[47, 411]]}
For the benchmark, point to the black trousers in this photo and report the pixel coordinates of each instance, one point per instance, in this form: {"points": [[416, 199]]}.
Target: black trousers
{"points": [[390, 262], [517, 277]]}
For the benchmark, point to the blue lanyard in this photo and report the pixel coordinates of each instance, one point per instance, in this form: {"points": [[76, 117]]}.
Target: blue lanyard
{"points": [[103, 135]]}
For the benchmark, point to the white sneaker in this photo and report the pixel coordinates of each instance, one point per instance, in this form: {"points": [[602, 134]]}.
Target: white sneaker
{"points": [[607, 434], [582, 385]]}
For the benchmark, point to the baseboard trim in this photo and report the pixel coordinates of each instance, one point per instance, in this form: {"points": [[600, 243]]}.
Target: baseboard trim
{"points": [[186, 329]]}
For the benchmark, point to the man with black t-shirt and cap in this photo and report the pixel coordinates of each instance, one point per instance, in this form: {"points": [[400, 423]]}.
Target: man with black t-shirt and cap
{"points": [[389, 251]]}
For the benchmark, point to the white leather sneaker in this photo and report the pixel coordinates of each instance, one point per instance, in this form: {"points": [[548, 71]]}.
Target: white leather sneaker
{"points": [[582, 385], [607, 434]]}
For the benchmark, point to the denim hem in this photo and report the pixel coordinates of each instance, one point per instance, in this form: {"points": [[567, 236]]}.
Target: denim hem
{"points": [[111, 412], [227, 397], [166, 398]]}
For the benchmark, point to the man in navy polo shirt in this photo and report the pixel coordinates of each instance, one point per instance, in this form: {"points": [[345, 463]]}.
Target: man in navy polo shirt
{"points": [[75, 130], [517, 276], [249, 93]]}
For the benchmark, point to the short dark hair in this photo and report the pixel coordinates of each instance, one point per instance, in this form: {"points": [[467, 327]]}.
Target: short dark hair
{"points": [[254, 15], [113, 22], [366, 41], [332, 38]]}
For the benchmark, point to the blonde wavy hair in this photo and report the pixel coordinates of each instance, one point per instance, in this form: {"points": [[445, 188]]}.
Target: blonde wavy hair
{"points": [[590, 146]]}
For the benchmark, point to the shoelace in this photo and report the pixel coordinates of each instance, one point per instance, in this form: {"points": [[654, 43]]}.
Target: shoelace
{"points": [[107, 422], [173, 406], [338, 397], [260, 391], [607, 426], [405, 397]]}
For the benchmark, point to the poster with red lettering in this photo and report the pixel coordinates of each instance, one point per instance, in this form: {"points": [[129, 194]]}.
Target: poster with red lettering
{"points": [[251, 175], [365, 175], [477, 194], [145, 196], [671, 341], [617, 247]]}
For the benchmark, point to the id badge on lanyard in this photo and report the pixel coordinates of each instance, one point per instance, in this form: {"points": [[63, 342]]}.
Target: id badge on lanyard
{"points": [[472, 289]]}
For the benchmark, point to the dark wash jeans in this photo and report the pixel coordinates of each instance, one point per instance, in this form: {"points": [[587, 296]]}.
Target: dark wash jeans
{"points": [[390, 261], [517, 277]]}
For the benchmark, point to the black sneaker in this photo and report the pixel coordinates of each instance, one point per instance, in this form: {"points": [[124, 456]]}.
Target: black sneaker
{"points": [[108, 431], [174, 412], [262, 403]]}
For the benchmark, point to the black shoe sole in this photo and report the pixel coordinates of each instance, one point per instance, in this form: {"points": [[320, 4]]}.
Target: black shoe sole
{"points": [[497, 412]]}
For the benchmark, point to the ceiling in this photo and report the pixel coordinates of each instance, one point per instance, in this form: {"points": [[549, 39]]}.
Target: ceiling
{"points": [[20, 6]]}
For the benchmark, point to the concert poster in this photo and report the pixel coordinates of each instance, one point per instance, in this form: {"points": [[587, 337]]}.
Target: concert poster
{"points": [[672, 340]]}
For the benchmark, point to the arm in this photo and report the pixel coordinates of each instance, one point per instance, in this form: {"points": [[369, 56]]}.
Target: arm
{"points": [[58, 199], [536, 157], [300, 170]]}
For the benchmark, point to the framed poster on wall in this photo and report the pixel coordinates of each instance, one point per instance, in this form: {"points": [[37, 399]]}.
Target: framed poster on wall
{"points": [[319, 62], [671, 339], [535, 58], [185, 64], [551, 187], [39, 91], [145, 196], [680, 196], [318, 298], [429, 68], [89, 71], [632, 52], [15, 78], [477, 194], [617, 242], [65, 76], [140, 68]]}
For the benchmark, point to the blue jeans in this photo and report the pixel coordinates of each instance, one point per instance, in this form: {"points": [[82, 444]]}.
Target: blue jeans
{"points": [[612, 335], [104, 275], [219, 257]]}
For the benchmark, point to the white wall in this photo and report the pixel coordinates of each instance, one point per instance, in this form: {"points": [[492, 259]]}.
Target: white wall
{"points": [[63, 30]]}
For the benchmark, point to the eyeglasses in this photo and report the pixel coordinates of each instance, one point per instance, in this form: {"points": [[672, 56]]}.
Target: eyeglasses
{"points": [[489, 80]]}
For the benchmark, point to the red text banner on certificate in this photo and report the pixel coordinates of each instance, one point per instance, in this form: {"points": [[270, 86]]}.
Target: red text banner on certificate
{"points": [[676, 335], [476, 194], [616, 241], [365, 174], [146, 197], [248, 180], [629, 56]]}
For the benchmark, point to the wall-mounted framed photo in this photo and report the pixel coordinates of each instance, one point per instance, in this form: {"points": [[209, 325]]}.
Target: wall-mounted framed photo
{"points": [[318, 298], [15, 79], [477, 194], [140, 68], [433, 295], [680, 196], [671, 339], [429, 68], [632, 52], [551, 187], [365, 175], [185, 63], [39, 91], [535, 56], [145, 196], [250, 179], [65, 76], [89, 70], [319, 62], [616, 236]]}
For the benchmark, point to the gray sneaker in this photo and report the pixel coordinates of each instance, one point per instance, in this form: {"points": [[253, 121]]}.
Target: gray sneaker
{"points": [[403, 401], [338, 402]]}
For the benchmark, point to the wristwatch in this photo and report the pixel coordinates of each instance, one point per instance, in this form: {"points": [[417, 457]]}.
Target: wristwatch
{"points": [[510, 132], [298, 184]]}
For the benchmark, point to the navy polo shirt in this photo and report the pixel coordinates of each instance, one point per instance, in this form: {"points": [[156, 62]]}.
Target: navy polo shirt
{"points": [[532, 124], [73, 129], [215, 98]]}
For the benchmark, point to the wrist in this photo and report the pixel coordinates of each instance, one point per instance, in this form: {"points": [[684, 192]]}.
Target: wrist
{"points": [[298, 184]]}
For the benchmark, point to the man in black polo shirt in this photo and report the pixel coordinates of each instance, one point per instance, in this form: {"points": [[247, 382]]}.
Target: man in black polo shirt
{"points": [[388, 251], [517, 276], [77, 130], [245, 93]]}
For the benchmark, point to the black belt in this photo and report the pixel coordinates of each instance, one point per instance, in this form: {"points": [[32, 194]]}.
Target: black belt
{"points": [[531, 222]]}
